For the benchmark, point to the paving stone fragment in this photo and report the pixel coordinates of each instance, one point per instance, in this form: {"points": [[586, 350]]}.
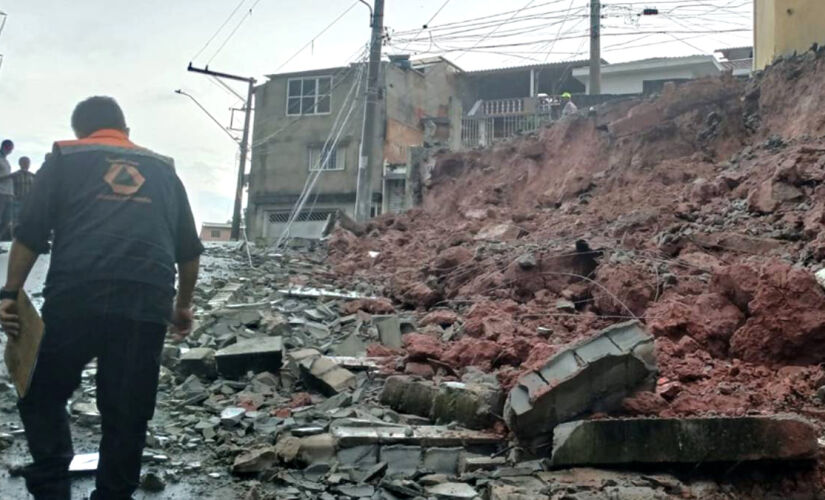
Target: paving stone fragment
{"points": [[687, 440], [453, 491], [199, 361], [326, 376], [593, 376], [232, 416], [356, 490], [389, 330], [261, 354], [402, 460], [352, 346]]}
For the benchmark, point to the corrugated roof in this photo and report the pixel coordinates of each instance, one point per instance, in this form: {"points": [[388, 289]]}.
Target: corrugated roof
{"points": [[574, 64]]}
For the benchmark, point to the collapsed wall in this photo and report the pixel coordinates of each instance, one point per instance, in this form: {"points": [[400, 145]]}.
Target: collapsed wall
{"points": [[698, 212]]}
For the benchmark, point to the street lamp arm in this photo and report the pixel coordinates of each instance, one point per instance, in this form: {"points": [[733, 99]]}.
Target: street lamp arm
{"points": [[372, 14], [181, 92]]}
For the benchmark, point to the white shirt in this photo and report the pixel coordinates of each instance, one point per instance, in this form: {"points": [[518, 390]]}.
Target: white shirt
{"points": [[569, 109]]}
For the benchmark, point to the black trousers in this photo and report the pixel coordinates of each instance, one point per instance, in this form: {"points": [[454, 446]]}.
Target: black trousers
{"points": [[128, 363]]}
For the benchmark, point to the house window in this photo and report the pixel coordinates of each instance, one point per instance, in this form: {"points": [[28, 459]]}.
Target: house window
{"points": [[319, 160], [216, 234], [309, 96]]}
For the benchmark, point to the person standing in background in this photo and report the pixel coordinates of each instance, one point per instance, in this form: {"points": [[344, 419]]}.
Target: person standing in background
{"points": [[22, 181], [6, 190]]}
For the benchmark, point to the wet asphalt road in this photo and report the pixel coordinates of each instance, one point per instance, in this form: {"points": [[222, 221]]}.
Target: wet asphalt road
{"points": [[86, 439]]}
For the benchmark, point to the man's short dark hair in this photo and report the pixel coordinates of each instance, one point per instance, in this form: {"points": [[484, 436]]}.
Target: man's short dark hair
{"points": [[97, 113], [6, 143]]}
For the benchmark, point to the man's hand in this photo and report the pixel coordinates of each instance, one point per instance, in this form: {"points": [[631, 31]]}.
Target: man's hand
{"points": [[8, 318], [182, 322]]}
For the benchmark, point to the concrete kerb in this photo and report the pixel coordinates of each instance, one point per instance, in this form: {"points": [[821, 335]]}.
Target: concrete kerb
{"points": [[592, 376]]}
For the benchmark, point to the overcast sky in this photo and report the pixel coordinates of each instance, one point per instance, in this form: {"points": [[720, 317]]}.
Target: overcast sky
{"points": [[57, 52]]}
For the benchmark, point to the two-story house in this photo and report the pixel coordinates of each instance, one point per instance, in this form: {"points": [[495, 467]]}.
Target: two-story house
{"points": [[294, 116]]}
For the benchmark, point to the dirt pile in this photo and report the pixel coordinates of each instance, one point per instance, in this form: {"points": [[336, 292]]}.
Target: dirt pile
{"points": [[699, 212]]}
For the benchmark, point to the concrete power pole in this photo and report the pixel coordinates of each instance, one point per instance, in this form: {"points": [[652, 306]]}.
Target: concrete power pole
{"points": [[235, 233], [372, 143], [595, 47]]}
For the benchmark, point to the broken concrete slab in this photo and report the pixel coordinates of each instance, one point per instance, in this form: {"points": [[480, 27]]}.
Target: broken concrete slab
{"points": [[442, 460], [262, 354], [352, 346], [254, 461], [402, 460], [352, 434], [326, 376], [475, 463], [686, 440], [199, 361], [358, 456], [472, 405], [592, 376], [389, 330]]}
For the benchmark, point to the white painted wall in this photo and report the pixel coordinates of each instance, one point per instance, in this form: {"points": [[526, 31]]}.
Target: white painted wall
{"points": [[629, 78]]}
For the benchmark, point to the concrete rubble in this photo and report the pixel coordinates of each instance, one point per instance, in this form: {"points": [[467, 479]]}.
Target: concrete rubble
{"points": [[641, 299], [688, 440], [591, 377]]}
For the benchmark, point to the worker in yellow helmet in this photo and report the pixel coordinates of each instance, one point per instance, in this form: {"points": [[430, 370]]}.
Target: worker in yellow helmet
{"points": [[569, 107]]}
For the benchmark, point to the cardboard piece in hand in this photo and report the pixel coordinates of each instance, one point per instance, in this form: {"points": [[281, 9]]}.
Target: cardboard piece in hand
{"points": [[21, 351]]}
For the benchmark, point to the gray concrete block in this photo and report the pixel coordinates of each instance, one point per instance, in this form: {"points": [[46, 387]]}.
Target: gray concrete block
{"points": [[199, 361], [683, 441], [442, 460], [255, 355], [358, 456], [401, 460], [588, 377], [325, 375], [389, 330]]}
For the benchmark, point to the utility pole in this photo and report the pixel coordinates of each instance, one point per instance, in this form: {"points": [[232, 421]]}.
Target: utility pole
{"points": [[372, 144], [236, 213], [595, 47]]}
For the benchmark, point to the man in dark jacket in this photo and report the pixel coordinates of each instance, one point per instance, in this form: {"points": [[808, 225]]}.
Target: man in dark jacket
{"points": [[120, 222]]}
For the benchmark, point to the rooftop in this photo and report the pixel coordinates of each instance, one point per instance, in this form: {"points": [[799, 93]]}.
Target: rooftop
{"points": [[574, 64]]}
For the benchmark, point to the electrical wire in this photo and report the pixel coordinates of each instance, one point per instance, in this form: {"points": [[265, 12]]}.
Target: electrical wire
{"points": [[329, 146], [330, 25], [222, 26], [237, 27]]}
